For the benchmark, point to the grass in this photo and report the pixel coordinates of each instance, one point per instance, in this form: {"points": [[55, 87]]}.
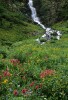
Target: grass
{"points": [[18, 33], [62, 26]]}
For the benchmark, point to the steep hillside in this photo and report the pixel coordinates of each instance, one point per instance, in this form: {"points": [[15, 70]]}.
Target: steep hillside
{"points": [[29, 70], [16, 25]]}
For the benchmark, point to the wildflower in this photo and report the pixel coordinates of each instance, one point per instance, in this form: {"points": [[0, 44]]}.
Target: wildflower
{"points": [[15, 62], [24, 91], [6, 73], [15, 92], [32, 84], [46, 73], [5, 81], [36, 87]]}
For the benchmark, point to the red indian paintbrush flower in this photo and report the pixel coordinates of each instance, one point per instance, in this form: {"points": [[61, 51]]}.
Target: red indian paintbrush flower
{"points": [[15, 61], [32, 84], [15, 92], [46, 73], [37, 87], [24, 91], [6, 73]]}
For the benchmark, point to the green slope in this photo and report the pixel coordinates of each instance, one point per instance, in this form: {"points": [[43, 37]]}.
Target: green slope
{"points": [[22, 60], [32, 59]]}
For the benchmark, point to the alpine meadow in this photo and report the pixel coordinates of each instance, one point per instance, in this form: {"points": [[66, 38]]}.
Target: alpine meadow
{"points": [[33, 50]]}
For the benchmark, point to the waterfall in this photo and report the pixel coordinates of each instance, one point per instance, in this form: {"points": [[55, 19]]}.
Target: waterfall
{"points": [[36, 19], [34, 14]]}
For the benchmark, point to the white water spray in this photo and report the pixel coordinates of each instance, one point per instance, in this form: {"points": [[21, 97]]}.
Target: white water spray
{"points": [[34, 14], [36, 19]]}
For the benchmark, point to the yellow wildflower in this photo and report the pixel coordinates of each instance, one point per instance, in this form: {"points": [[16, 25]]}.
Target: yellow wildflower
{"points": [[5, 81]]}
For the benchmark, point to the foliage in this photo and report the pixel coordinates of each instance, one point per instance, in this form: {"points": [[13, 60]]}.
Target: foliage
{"points": [[51, 11], [28, 70], [31, 71]]}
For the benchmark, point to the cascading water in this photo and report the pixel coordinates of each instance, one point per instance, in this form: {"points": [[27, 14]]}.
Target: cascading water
{"points": [[34, 14], [36, 19]]}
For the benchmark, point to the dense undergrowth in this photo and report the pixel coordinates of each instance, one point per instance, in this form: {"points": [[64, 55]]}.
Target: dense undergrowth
{"points": [[28, 70]]}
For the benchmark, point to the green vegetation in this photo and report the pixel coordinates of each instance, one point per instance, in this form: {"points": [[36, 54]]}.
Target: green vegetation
{"points": [[51, 11], [23, 63], [28, 70], [15, 26]]}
